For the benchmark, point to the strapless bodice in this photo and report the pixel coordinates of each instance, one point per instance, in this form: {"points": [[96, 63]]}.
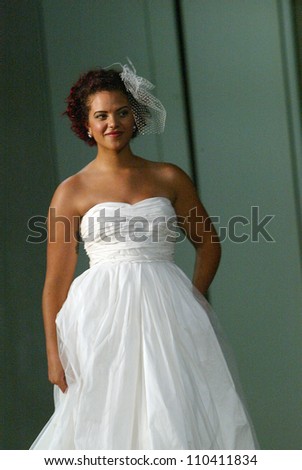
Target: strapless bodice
{"points": [[118, 231]]}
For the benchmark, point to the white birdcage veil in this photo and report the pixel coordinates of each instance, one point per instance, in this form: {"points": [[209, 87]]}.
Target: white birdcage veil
{"points": [[149, 113]]}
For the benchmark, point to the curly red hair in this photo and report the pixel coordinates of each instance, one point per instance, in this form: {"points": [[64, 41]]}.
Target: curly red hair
{"points": [[77, 101]]}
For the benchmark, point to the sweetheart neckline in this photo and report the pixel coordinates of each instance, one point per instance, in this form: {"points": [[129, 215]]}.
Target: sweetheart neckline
{"points": [[125, 203]]}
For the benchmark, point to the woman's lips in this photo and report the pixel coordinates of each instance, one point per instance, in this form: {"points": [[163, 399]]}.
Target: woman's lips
{"points": [[114, 134]]}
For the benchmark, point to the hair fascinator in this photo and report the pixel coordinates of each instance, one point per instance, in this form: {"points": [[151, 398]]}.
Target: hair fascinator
{"points": [[149, 113]]}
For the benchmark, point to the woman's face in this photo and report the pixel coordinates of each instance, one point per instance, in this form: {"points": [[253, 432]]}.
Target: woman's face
{"points": [[110, 119]]}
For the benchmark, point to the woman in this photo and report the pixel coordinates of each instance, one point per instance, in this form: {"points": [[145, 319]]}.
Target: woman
{"points": [[130, 348]]}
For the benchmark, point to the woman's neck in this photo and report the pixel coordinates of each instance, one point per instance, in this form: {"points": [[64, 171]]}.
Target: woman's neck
{"points": [[107, 160]]}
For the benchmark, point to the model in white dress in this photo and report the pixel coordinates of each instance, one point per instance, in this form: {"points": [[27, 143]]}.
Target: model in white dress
{"points": [[143, 365]]}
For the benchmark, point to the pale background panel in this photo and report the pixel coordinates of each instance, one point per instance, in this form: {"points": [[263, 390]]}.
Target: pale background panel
{"points": [[243, 134]]}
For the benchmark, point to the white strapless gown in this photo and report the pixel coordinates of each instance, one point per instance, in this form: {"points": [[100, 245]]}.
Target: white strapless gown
{"points": [[143, 365]]}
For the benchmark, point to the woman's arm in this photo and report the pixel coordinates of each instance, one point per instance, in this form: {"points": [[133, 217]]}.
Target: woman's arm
{"points": [[195, 222], [63, 226]]}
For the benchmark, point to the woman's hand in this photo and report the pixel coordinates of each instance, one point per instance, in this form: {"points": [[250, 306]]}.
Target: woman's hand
{"points": [[56, 374]]}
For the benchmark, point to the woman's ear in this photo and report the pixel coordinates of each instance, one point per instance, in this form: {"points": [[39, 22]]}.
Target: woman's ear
{"points": [[88, 131]]}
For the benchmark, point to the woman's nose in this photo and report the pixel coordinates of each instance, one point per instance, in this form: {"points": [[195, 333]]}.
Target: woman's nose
{"points": [[113, 122]]}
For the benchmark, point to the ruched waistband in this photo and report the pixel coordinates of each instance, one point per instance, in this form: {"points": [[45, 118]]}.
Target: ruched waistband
{"points": [[134, 255]]}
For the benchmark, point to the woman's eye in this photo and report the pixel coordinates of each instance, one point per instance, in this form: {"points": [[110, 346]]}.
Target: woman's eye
{"points": [[124, 112], [101, 116]]}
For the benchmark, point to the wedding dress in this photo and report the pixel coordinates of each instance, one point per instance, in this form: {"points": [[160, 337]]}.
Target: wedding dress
{"points": [[143, 364]]}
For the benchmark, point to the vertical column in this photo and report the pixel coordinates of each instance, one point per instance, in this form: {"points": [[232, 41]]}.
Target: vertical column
{"points": [[30, 176]]}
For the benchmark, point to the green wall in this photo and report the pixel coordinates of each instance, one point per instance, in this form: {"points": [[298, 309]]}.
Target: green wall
{"points": [[246, 128], [248, 138], [28, 175]]}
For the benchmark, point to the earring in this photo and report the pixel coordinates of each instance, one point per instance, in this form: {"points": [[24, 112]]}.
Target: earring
{"points": [[89, 135], [134, 129]]}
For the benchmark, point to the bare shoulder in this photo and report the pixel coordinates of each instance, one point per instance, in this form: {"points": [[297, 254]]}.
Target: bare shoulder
{"points": [[65, 197], [176, 179], [169, 170]]}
